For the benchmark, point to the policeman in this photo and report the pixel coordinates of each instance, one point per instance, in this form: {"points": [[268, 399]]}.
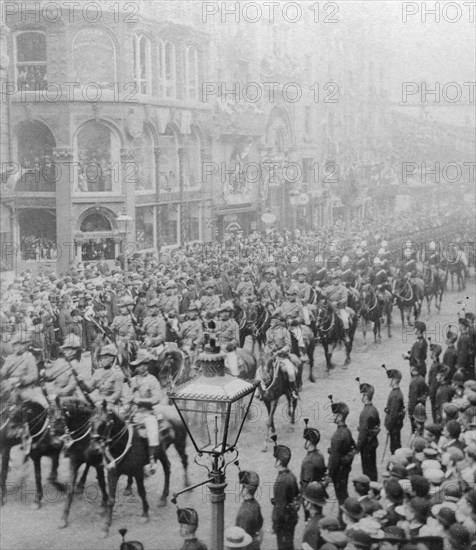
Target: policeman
{"points": [[341, 452], [227, 330], [395, 410], [369, 427], [147, 394], [313, 467], [123, 324], [107, 381], [315, 498], [188, 520], [269, 290], [286, 499], [249, 515], [20, 371], [417, 393], [417, 355]]}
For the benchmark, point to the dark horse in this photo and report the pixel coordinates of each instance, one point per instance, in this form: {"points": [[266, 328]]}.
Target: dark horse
{"points": [[274, 384], [28, 423], [408, 297], [330, 332], [434, 282], [77, 416], [125, 453], [372, 308], [253, 320], [172, 367], [457, 268]]}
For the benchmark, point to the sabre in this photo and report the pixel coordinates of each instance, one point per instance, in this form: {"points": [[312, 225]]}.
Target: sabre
{"points": [[385, 447]]}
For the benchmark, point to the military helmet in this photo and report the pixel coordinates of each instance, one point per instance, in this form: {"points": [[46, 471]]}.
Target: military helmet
{"points": [[248, 477], [187, 516], [311, 434], [315, 493], [419, 413]]}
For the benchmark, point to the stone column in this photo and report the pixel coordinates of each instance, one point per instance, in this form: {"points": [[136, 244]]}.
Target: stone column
{"points": [[128, 187], [65, 224]]}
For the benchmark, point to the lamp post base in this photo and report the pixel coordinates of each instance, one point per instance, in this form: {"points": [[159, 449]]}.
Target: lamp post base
{"points": [[218, 496]]}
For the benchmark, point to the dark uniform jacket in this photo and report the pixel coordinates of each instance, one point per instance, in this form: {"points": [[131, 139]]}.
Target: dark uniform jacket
{"points": [[250, 519], [285, 501], [417, 392], [312, 534], [395, 410], [465, 351], [450, 358], [444, 394], [194, 544], [341, 451], [369, 426], [313, 468], [432, 383], [418, 355]]}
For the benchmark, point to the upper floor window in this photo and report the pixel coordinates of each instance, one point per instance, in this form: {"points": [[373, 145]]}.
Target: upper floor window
{"points": [[97, 157], [167, 70], [144, 156], [31, 60], [142, 64], [190, 72], [94, 58]]}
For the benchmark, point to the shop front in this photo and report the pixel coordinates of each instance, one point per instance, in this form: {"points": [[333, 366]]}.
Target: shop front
{"points": [[236, 221]]}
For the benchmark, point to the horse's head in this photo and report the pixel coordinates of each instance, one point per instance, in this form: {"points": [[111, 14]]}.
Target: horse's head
{"points": [[323, 312], [76, 413]]}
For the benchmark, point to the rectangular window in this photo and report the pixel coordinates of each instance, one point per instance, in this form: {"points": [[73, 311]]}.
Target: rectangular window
{"points": [[31, 61]]}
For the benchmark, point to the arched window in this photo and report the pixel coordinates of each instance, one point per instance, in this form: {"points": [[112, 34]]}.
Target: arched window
{"points": [[144, 155], [142, 64], [31, 60], [167, 70], [95, 222], [169, 161], [190, 73], [97, 157], [94, 58], [35, 145]]}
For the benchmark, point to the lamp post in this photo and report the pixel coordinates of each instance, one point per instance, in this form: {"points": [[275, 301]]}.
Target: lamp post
{"points": [[213, 407], [124, 226]]}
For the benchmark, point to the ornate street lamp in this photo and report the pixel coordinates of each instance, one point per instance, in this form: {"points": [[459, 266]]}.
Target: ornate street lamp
{"points": [[124, 226], [213, 407]]}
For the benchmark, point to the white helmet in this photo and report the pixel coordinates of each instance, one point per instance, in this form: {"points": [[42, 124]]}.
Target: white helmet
{"points": [[376, 260], [381, 252], [344, 261]]}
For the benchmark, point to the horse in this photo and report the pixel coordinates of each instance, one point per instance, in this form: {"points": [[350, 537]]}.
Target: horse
{"points": [[77, 416], [434, 282], [331, 331], [457, 268], [253, 321], [309, 347], [408, 297], [124, 452], [28, 424], [172, 367], [274, 384], [371, 310]]}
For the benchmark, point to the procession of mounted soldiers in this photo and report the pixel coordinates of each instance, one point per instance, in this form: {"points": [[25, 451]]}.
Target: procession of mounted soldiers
{"points": [[271, 304]]}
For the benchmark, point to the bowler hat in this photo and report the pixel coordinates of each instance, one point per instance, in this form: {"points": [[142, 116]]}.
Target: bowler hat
{"points": [[459, 537], [362, 479], [352, 508], [360, 538]]}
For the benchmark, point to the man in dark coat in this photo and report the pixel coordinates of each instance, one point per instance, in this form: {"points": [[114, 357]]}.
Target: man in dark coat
{"points": [[395, 410], [432, 377], [341, 452], [464, 348], [369, 427], [444, 392], [417, 393], [249, 515], [313, 467], [450, 357], [285, 501], [419, 349]]}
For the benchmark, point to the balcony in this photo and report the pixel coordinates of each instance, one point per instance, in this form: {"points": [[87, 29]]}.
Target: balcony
{"points": [[31, 77]]}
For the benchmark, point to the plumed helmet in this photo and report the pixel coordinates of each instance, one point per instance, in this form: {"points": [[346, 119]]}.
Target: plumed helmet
{"points": [[187, 516], [340, 408], [316, 493], [367, 389], [170, 284], [281, 452], [71, 341], [311, 434], [226, 306], [420, 326], [394, 374]]}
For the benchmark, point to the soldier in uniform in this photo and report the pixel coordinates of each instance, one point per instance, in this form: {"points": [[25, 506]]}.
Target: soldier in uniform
{"points": [[153, 325], [417, 393], [341, 452], [146, 394], [285, 501], [293, 312], [246, 287], [170, 301], [20, 373], [107, 381], [249, 515], [369, 427], [361, 265], [191, 329], [188, 520], [313, 467], [395, 410], [123, 324], [209, 302], [227, 330], [269, 290], [320, 276], [450, 357], [338, 296]]}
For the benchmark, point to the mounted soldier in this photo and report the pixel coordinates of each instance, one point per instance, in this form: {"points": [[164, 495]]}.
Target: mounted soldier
{"points": [[107, 381], [338, 295], [209, 302], [321, 274], [123, 324], [304, 293], [154, 326], [170, 300], [246, 287], [378, 278], [191, 331], [293, 312], [269, 290]]}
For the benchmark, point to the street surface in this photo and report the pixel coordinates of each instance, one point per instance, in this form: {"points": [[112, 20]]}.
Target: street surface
{"points": [[26, 529]]}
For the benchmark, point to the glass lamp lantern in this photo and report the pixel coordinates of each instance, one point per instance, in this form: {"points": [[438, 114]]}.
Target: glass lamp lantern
{"points": [[213, 406], [124, 223]]}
